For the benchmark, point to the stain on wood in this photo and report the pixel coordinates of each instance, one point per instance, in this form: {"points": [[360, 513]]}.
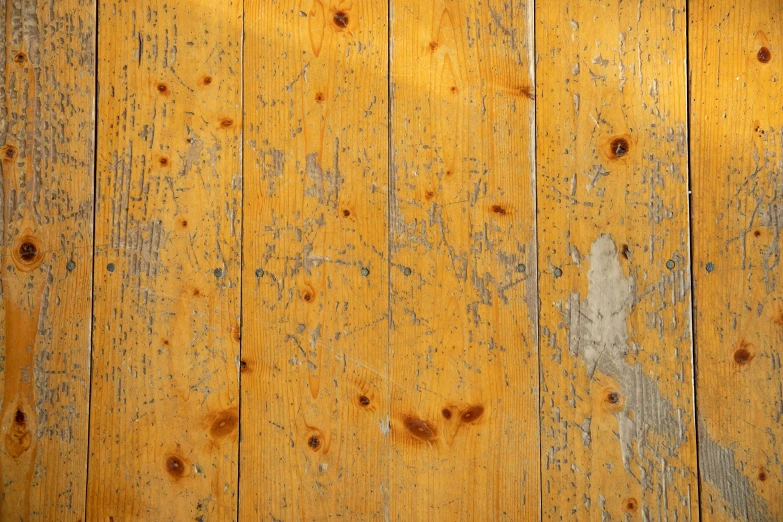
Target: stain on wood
{"points": [[164, 421], [315, 287], [47, 102], [464, 369], [618, 436], [737, 161]]}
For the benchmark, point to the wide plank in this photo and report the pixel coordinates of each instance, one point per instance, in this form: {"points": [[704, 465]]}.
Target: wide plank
{"points": [[315, 281], [736, 60], [165, 397], [617, 407], [464, 366], [47, 132]]}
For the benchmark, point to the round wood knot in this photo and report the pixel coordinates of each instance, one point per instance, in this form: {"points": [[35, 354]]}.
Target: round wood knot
{"points": [[762, 474], [472, 413], [341, 19], [27, 255], [420, 429], [163, 161], [225, 423], [20, 58], [162, 88], [175, 466], [612, 401], [319, 97], [364, 400], [764, 56], [620, 147], [499, 209], [206, 80], [226, 123], [244, 367], [630, 505], [742, 356], [9, 152], [314, 442], [446, 413]]}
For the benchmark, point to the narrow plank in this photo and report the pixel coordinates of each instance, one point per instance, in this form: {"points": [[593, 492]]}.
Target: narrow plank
{"points": [[464, 375], [315, 283], [164, 425], [618, 437], [46, 134], [736, 60]]}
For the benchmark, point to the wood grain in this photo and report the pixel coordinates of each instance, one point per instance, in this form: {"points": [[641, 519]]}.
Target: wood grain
{"points": [[464, 371], [315, 282], [164, 425], [47, 102], [737, 157], [618, 437]]}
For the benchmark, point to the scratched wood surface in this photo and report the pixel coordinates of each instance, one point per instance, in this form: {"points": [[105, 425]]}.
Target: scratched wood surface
{"points": [[464, 372], [391, 260], [164, 417], [618, 435], [47, 103], [737, 157], [315, 335]]}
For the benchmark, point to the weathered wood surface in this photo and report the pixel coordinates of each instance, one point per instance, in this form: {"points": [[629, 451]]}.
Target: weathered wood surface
{"points": [[618, 435], [464, 370], [47, 103], [315, 424], [164, 417], [737, 158], [430, 258]]}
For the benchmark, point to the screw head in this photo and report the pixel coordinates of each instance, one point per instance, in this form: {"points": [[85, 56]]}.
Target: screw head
{"points": [[557, 272], [71, 266], [259, 272], [365, 272], [710, 266], [521, 267], [111, 267], [218, 272], [670, 264], [407, 271]]}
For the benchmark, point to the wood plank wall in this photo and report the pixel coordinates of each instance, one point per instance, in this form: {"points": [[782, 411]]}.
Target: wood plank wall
{"points": [[391, 260]]}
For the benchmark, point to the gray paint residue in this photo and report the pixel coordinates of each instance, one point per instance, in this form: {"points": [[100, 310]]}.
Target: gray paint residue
{"points": [[718, 467], [598, 333]]}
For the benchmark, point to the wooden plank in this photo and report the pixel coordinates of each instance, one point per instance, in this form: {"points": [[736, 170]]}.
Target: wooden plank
{"points": [[736, 60], [464, 375], [164, 425], [46, 134], [618, 437], [315, 284]]}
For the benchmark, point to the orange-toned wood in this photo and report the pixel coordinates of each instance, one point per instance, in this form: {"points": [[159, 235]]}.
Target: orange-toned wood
{"points": [[46, 137], [315, 282], [464, 366], [617, 408], [165, 397], [736, 61]]}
